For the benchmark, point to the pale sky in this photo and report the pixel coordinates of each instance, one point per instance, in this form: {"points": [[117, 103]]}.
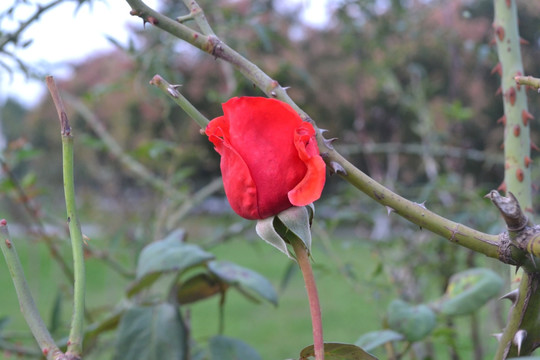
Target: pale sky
{"points": [[59, 38]]}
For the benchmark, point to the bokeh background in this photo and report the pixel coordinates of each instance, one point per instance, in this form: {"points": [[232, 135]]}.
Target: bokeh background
{"points": [[407, 88]]}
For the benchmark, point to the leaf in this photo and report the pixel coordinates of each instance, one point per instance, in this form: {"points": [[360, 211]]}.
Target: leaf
{"points": [[226, 348], [167, 255], [244, 279], [199, 287], [374, 339], [338, 351], [151, 333], [414, 322], [468, 291]]}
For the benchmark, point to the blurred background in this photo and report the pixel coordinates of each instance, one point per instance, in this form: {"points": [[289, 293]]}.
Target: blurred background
{"points": [[406, 86]]}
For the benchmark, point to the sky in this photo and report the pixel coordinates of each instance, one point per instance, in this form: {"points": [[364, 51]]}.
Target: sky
{"points": [[62, 36]]}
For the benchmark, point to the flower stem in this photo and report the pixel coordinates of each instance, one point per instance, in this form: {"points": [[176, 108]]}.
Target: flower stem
{"points": [[74, 349], [311, 288]]}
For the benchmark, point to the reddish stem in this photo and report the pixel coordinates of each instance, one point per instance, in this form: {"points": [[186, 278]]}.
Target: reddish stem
{"points": [[313, 297]]}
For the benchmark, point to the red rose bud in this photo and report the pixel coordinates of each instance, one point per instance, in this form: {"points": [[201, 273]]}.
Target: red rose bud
{"points": [[269, 157]]}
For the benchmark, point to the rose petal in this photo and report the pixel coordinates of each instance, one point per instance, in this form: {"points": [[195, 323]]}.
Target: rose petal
{"points": [[310, 187]]}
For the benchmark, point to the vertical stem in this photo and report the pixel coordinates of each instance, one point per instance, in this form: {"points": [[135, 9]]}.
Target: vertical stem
{"points": [[26, 301], [76, 332], [311, 288], [74, 349]]}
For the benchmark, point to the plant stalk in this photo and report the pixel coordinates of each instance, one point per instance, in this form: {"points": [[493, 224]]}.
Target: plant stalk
{"points": [[302, 258], [74, 348], [26, 301]]}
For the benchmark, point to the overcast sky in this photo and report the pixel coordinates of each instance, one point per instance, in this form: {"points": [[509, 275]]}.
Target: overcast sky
{"points": [[62, 36]]}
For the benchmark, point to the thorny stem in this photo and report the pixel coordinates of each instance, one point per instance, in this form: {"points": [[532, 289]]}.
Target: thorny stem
{"points": [[416, 213], [302, 258], [172, 91], [26, 301], [517, 174], [74, 348]]}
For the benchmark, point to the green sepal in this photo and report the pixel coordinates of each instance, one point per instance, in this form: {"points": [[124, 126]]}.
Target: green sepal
{"points": [[293, 222]]}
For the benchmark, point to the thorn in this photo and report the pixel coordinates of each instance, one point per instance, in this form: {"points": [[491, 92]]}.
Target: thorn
{"points": [[517, 130], [519, 337], [532, 259], [520, 175], [497, 69], [328, 143], [534, 146], [512, 296], [336, 168], [499, 91], [527, 161], [286, 88], [522, 41], [422, 205], [322, 131], [502, 187], [389, 210], [173, 91], [526, 116], [502, 120], [510, 95], [499, 31], [509, 3], [497, 336]]}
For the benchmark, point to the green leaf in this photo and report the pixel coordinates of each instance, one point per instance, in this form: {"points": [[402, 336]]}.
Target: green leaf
{"points": [[199, 287], [338, 351], [151, 333], [468, 291], [167, 255], [374, 339], [225, 348], [247, 281], [414, 322]]}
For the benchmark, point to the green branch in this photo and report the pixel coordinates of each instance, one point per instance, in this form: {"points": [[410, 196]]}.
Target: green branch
{"points": [[74, 348], [416, 213], [528, 81], [26, 301], [180, 100]]}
